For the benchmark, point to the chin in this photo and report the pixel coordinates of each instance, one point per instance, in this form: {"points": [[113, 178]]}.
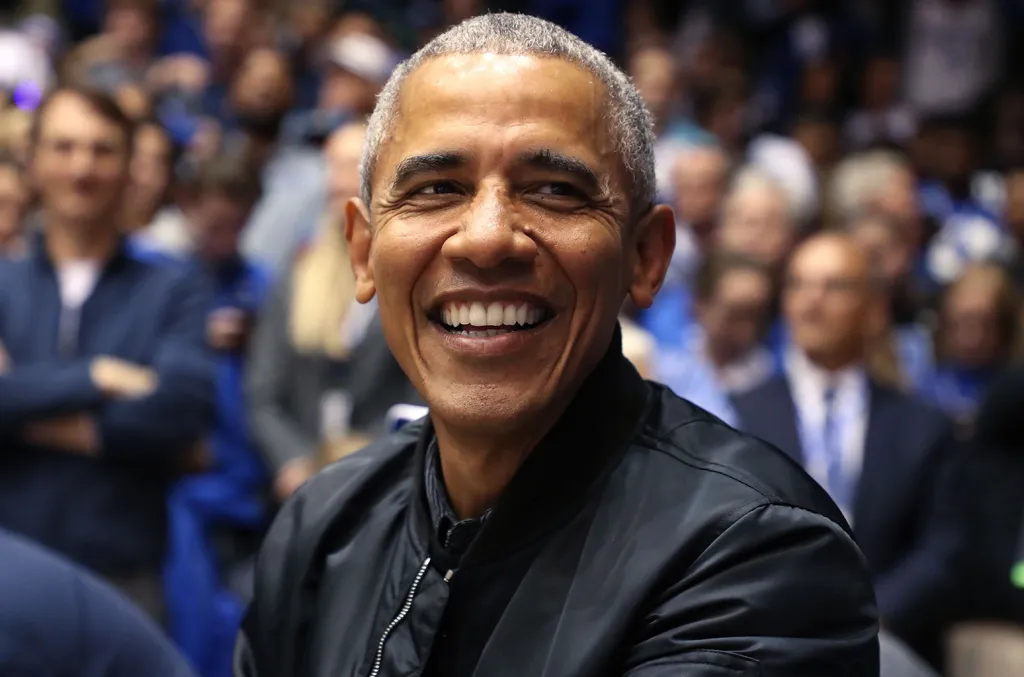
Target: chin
{"points": [[486, 409]]}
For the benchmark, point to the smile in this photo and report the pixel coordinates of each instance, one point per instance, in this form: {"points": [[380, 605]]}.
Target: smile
{"points": [[486, 320]]}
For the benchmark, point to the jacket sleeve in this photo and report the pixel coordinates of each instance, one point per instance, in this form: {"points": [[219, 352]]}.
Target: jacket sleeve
{"points": [[38, 391], [781, 592], [180, 410], [915, 594], [278, 437]]}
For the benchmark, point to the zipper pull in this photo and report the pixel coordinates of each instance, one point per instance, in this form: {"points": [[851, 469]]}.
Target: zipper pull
{"points": [[448, 576]]}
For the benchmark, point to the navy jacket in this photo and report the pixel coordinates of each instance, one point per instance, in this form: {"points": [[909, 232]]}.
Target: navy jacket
{"points": [[107, 512], [907, 518], [56, 619]]}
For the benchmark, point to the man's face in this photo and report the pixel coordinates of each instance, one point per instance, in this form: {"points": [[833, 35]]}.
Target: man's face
{"points": [[755, 223], [699, 182], [826, 300], [14, 197], [216, 222], [733, 319], [263, 86], [653, 72], [497, 248], [80, 161], [151, 164], [342, 157], [971, 317], [887, 252]]}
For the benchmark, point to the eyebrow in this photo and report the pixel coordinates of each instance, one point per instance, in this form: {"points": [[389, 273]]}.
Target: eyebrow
{"points": [[410, 167], [545, 158]]}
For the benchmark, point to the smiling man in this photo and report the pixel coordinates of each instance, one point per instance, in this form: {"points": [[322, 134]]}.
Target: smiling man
{"points": [[555, 515]]}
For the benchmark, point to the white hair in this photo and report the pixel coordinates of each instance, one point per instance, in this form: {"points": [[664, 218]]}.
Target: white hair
{"points": [[629, 122], [858, 181], [753, 178]]}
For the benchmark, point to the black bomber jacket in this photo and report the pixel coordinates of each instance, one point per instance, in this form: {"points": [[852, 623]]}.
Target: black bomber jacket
{"points": [[642, 538]]}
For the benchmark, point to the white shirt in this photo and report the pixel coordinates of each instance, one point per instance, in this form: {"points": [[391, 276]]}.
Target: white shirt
{"points": [[77, 279], [809, 383]]}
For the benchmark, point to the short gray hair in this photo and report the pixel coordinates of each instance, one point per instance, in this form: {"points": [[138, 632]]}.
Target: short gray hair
{"points": [[858, 180], [629, 121]]}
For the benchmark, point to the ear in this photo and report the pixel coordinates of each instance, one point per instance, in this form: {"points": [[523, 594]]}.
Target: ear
{"points": [[653, 241], [360, 239]]}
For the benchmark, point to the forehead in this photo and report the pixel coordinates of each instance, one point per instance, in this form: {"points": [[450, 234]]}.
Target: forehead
{"points": [[828, 257], [68, 115], [492, 107]]}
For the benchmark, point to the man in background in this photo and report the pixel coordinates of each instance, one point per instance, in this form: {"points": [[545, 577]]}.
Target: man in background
{"points": [[107, 381]]}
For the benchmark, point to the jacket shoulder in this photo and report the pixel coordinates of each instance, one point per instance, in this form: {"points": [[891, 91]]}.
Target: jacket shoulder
{"points": [[744, 469]]}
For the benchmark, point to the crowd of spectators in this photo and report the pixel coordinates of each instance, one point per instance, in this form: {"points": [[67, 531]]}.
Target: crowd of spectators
{"points": [[180, 347]]}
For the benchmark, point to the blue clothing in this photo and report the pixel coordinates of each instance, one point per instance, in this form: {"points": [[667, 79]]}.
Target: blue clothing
{"points": [[57, 619], [107, 512], [692, 378], [204, 615], [958, 392]]}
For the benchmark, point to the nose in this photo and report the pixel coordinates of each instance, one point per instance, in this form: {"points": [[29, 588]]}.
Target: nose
{"points": [[490, 234], [81, 162]]}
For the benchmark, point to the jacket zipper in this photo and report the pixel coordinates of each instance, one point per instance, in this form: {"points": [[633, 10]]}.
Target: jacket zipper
{"points": [[402, 613]]}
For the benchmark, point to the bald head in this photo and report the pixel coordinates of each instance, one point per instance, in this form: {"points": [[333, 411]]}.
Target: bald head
{"points": [[829, 302]]}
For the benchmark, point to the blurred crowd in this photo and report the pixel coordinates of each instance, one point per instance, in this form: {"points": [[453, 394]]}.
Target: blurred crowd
{"points": [[180, 202]]}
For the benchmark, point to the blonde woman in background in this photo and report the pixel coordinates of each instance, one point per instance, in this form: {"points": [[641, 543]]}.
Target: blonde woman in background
{"points": [[321, 378]]}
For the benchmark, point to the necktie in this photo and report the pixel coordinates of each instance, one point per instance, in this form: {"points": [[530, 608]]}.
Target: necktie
{"points": [[838, 481]]}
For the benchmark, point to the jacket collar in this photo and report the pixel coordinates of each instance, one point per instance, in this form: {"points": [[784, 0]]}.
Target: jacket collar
{"points": [[39, 254], [593, 433]]}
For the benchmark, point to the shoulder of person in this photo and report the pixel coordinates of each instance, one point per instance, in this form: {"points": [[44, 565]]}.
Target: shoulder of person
{"points": [[713, 459]]}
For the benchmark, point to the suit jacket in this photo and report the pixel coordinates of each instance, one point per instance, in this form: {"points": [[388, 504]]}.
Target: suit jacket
{"points": [[905, 515]]}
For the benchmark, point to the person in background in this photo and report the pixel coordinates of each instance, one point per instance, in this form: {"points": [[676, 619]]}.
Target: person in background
{"points": [[58, 619], [1013, 216], [886, 458], [121, 55], [319, 371], [149, 216], [217, 516], [15, 197], [724, 356], [700, 178], [977, 337], [15, 132], [880, 119], [903, 355], [108, 382]]}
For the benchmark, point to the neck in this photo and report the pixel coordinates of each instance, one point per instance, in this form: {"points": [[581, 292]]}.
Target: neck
{"points": [[834, 362], [477, 468], [75, 241]]}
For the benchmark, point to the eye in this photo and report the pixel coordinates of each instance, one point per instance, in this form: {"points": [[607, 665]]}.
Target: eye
{"points": [[436, 188], [559, 189]]}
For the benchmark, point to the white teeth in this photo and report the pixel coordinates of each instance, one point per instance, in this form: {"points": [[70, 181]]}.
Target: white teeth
{"points": [[521, 313], [495, 315]]}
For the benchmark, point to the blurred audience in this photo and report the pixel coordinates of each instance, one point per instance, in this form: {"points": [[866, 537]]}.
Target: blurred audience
{"points": [[15, 198]]}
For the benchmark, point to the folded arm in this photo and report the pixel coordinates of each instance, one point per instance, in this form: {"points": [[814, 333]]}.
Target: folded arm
{"points": [[782, 592]]}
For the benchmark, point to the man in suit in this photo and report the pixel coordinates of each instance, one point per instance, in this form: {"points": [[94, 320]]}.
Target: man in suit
{"points": [[884, 456]]}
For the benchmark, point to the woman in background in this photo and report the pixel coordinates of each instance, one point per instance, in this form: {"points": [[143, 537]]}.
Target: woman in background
{"points": [[321, 378]]}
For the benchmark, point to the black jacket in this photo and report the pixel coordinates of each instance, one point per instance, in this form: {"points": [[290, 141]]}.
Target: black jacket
{"points": [[642, 537]]}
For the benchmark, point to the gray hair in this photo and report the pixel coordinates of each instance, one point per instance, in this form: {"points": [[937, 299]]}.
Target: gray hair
{"points": [[858, 180], [750, 177], [629, 121]]}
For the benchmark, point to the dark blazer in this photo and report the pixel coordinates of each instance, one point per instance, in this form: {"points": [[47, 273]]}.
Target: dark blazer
{"points": [[905, 517], [57, 619], [284, 387]]}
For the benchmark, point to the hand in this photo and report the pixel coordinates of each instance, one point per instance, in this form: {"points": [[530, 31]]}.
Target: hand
{"points": [[291, 476], [179, 71], [76, 434], [227, 329], [122, 380]]}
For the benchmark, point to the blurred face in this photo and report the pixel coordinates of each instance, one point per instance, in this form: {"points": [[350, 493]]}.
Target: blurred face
{"points": [[821, 141], [954, 154], [653, 71], [131, 27], [699, 182], [217, 222], [733, 319], [885, 251], [342, 90], [499, 246], [14, 198], [263, 86], [755, 223], [971, 318], [150, 168], [80, 162], [224, 25], [342, 156], [827, 301], [1015, 204], [881, 78], [897, 200]]}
